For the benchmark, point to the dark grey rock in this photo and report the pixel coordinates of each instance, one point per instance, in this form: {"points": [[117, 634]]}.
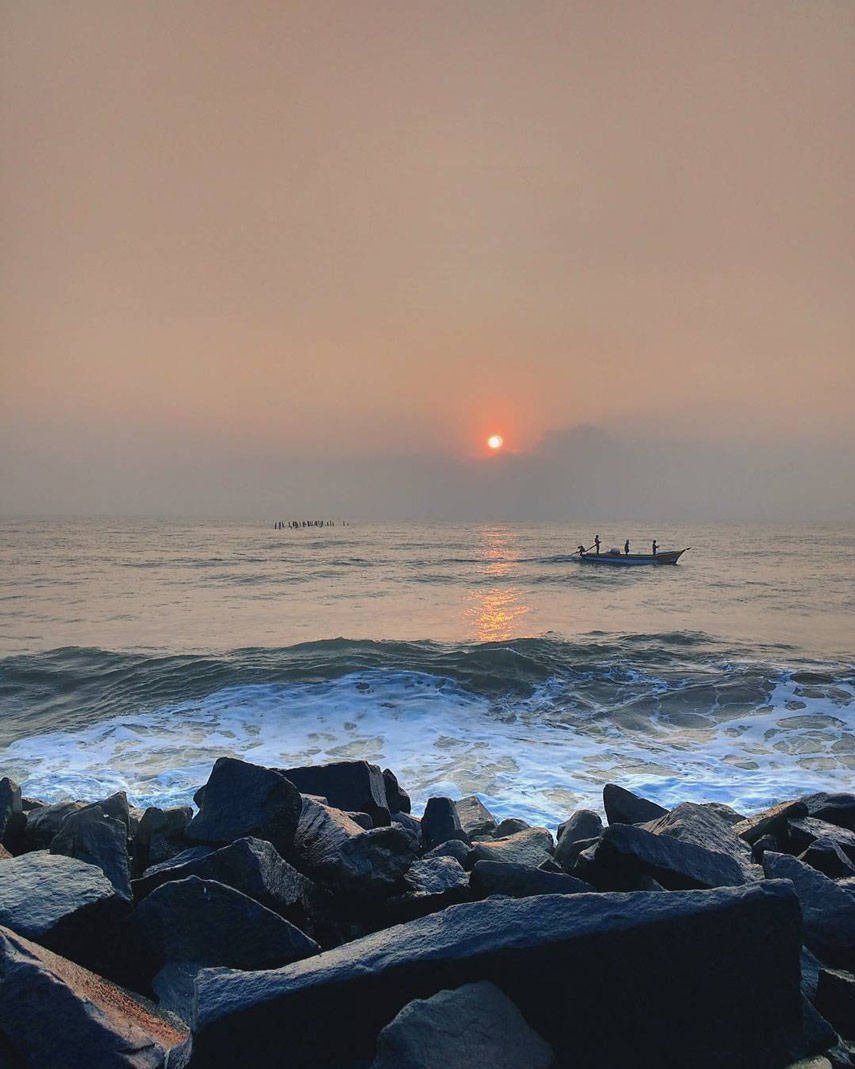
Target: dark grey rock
{"points": [[475, 1026], [192, 853], [509, 826], [455, 848], [623, 851], [255, 868], [115, 806], [31, 803], [243, 799], [691, 823], [431, 884], [396, 797], [725, 812], [411, 823], [811, 966], [475, 818], [807, 830], [43, 824], [549, 865], [364, 820], [205, 922], [12, 817], [835, 1000], [530, 847], [335, 852], [66, 905], [836, 809], [160, 836], [761, 845], [702, 957], [583, 825], [92, 836], [347, 785], [174, 988], [828, 912], [772, 822], [624, 807], [56, 1014], [827, 857], [521, 881], [441, 823]]}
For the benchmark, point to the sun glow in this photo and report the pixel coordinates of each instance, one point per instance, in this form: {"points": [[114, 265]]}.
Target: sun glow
{"points": [[495, 441]]}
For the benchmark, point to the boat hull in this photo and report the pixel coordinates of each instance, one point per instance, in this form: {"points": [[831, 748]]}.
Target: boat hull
{"points": [[630, 559]]}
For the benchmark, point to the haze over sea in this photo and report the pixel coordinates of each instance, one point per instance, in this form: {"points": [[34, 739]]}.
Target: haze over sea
{"points": [[468, 657]]}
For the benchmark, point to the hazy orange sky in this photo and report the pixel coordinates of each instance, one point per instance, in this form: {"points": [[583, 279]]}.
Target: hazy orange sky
{"points": [[320, 231]]}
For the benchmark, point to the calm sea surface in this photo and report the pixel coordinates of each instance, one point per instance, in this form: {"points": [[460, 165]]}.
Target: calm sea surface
{"points": [[470, 658]]}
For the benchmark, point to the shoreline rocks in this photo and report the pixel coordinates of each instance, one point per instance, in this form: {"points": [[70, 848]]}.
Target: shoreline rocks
{"points": [[320, 923]]}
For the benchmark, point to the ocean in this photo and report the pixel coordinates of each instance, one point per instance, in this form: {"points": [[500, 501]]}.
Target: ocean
{"points": [[470, 658]]}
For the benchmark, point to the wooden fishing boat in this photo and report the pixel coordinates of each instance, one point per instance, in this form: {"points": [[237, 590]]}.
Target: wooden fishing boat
{"points": [[614, 556]]}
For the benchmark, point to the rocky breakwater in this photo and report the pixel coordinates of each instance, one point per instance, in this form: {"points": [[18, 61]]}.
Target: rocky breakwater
{"points": [[305, 918]]}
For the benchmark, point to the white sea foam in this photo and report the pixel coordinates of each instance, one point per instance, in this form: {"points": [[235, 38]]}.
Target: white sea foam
{"points": [[524, 757]]}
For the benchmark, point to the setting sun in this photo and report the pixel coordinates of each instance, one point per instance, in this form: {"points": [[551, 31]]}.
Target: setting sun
{"points": [[495, 441]]}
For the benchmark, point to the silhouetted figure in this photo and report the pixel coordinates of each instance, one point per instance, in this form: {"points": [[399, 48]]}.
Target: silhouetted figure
{"points": [[655, 547], [626, 547], [581, 551], [597, 543]]}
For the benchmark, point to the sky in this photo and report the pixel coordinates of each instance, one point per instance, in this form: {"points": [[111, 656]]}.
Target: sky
{"points": [[291, 258]]}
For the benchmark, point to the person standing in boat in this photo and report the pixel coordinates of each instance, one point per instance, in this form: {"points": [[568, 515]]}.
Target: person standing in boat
{"points": [[626, 547], [655, 547], [597, 543]]}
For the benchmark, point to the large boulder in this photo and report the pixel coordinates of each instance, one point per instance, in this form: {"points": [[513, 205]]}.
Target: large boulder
{"points": [[455, 848], [55, 1013], [624, 807], [828, 912], [807, 830], [12, 817], [582, 826], [243, 799], [65, 904], [44, 822], [397, 798], [335, 852], [698, 824], [253, 867], [835, 1000], [441, 823], [90, 835], [521, 881], [571, 963], [207, 923], [475, 818], [474, 1027], [532, 847], [356, 785], [624, 851], [509, 826], [115, 806], [772, 822], [159, 836], [836, 809], [827, 857], [430, 885]]}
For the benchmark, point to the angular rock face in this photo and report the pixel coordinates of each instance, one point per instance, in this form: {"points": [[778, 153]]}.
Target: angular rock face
{"points": [[521, 881], [11, 814], [826, 856], [530, 847], [64, 904], [624, 807], [441, 823], [43, 824], [475, 818], [455, 848], [207, 923], [474, 1027], [828, 912], [160, 836], [116, 806], [253, 867], [242, 799], [807, 830], [700, 993], [698, 824], [346, 785], [396, 797], [836, 809], [55, 1013], [431, 885], [331, 849], [92, 836], [509, 826], [771, 822], [583, 825], [835, 1000], [623, 852]]}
